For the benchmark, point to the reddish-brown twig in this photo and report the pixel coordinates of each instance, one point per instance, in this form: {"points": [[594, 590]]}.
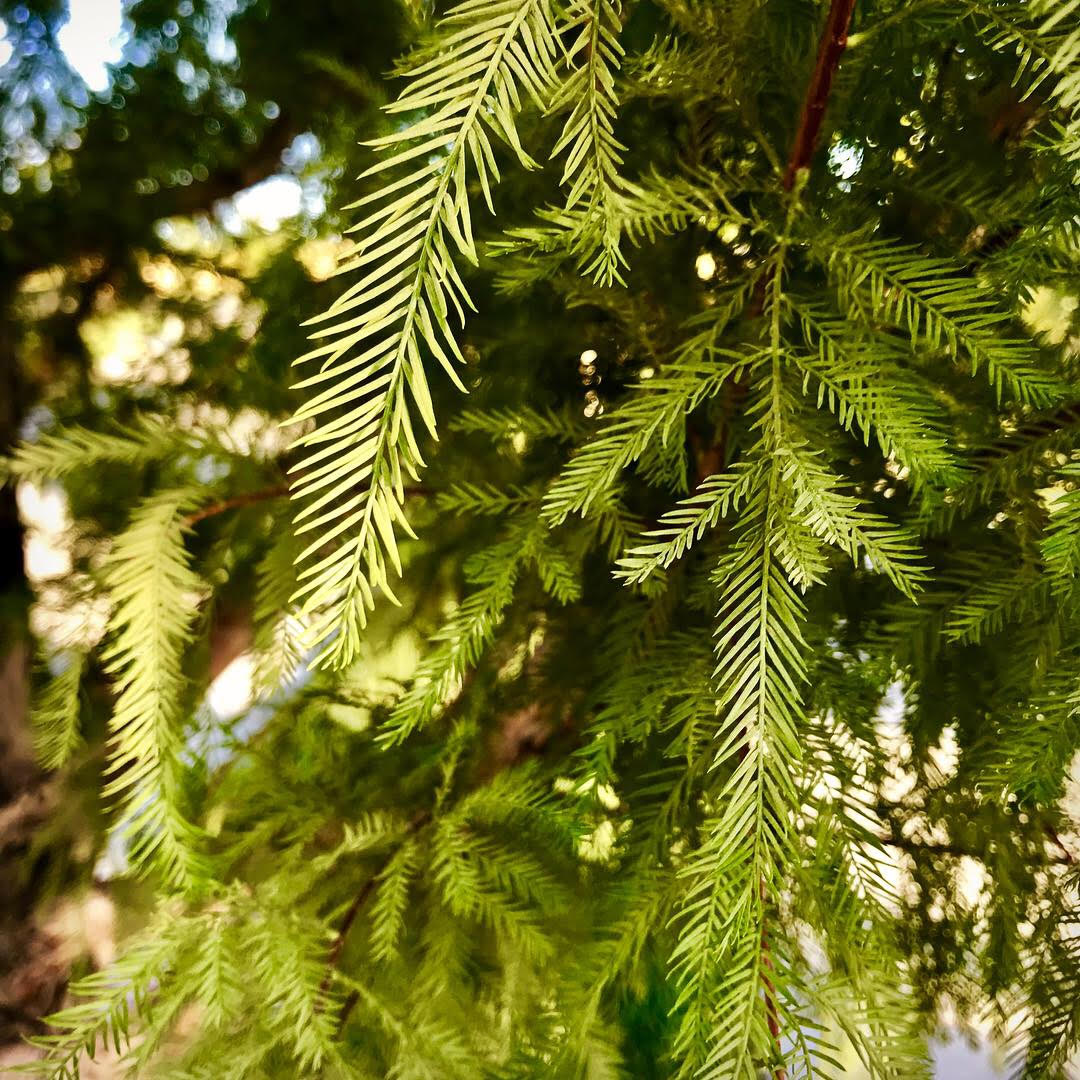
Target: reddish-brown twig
{"points": [[830, 49]]}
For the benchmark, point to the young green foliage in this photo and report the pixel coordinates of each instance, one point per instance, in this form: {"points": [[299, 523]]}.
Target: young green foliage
{"points": [[363, 447], [155, 596], [728, 723]]}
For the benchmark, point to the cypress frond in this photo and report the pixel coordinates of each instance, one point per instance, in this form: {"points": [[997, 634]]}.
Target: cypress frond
{"points": [[839, 520], [54, 455], [155, 596], [484, 500], [718, 958], [109, 998], [935, 303], [1048, 52], [999, 471], [532, 423], [391, 900], [1054, 1004], [990, 604], [858, 377], [687, 522], [593, 154], [460, 641], [649, 416], [56, 711], [350, 480], [1061, 545]]}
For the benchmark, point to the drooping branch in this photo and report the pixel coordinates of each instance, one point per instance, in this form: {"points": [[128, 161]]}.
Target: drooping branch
{"points": [[514, 753], [830, 49], [419, 820]]}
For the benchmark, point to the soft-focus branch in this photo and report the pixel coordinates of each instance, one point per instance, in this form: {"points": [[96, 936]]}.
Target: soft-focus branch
{"points": [[236, 501]]}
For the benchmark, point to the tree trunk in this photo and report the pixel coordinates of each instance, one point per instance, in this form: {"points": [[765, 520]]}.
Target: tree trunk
{"points": [[31, 977]]}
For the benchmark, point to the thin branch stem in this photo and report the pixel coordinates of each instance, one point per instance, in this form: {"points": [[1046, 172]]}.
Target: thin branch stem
{"points": [[831, 47], [251, 497], [419, 820], [247, 499], [959, 851]]}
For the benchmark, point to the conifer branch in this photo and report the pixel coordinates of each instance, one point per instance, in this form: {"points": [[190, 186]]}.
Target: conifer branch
{"points": [[491, 53], [419, 821], [154, 593], [363, 894], [56, 712], [787, 404], [593, 214]]}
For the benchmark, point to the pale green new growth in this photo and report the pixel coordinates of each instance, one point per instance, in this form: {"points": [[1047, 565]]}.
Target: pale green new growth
{"points": [[371, 375], [58, 454], [155, 596], [109, 998], [238, 953]]}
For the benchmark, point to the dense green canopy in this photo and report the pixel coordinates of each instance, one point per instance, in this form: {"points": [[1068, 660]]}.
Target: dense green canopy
{"points": [[696, 697]]}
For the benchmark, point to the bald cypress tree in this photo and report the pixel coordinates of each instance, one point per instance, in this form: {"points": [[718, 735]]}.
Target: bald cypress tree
{"points": [[694, 696]]}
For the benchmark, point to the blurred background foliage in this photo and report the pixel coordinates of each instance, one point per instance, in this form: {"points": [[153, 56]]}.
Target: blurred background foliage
{"points": [[168, 170], [170, 178]]}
